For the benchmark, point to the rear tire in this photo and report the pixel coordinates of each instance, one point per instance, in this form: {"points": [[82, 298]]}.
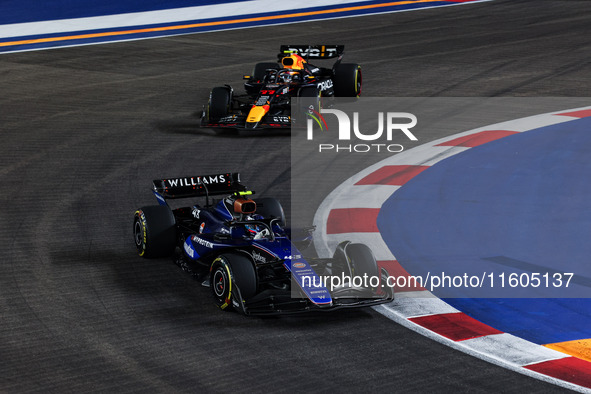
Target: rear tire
{"points": [[228, 272], [154, 231], [347, 80]]}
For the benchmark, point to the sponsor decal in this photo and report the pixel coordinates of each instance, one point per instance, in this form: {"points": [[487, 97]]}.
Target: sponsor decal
{"points": [[292, 257], [281, 119], [314, 52], [201, 228], [194, 181], [299, 265], [325, 85], [259, 257], [202, 242], [228, 119], [262, 101], [189, 250]]}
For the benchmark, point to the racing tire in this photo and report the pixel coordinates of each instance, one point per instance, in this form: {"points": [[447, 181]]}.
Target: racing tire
{"points": [[232, 277], [154, 231], [271, 207], [260, 70], [355, 259], [347, 80], [219, 102], [362, 261]]}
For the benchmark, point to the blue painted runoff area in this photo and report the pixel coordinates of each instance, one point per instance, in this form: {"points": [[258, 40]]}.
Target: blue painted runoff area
{"points": [[519, 205]]}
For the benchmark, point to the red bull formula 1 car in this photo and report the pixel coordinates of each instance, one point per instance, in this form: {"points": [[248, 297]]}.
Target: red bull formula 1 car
{"points": [[242, 249], [271, 86]]}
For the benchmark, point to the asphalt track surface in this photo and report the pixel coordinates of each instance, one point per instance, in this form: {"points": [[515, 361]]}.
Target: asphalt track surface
{"points": [[85, 130]]}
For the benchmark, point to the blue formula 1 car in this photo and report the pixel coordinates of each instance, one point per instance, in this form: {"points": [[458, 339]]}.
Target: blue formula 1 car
{"points": [[242, 249]]}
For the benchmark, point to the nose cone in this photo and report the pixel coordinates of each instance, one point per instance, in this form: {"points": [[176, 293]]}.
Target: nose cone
{"points": [[256, 113]]}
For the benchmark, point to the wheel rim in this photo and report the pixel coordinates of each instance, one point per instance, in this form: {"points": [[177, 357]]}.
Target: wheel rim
{"points": [[219, 284], [138, 233]]}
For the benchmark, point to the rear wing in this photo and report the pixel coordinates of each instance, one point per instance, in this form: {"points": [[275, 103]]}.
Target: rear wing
{"points": [[198, 186], [312, 51]]}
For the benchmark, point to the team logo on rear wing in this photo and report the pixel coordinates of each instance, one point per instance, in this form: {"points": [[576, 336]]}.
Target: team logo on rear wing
{"points": [[313, 51], [201, 185], [196, 180]]}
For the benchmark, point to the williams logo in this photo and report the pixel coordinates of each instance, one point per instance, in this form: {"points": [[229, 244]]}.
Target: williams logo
{"points": [[389, 124], [194, 181]]}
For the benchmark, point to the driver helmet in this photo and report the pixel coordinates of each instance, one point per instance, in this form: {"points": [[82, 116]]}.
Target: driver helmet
{"points": [[293, 61], [253, 229]]}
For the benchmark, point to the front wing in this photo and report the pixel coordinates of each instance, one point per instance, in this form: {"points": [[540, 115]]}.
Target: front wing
{"points": [[238, 121], [273, 302]]}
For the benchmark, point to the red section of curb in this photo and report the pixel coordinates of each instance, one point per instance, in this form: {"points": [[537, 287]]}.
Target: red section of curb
{"points": [[472, 140], [455, 326], [352, 220], [578, 114], [570, 369], [403, 281], [392, 175]]}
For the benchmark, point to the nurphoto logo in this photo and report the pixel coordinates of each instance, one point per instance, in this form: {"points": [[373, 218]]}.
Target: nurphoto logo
{"points": [[388, 123]]}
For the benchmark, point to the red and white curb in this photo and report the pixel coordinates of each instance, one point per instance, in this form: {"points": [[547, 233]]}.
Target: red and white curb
{"points": [[350, 211]]}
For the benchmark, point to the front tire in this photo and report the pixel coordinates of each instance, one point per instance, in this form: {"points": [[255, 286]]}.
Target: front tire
{"points": [[219, 102], [362, 260], [154, 231], [355, 260], [232, 278]]}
